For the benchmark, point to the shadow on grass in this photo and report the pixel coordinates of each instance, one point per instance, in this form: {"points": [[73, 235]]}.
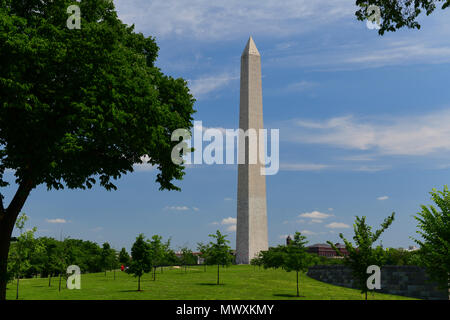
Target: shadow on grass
{"points": [[135, 290], [210, 284], [287, 295]]}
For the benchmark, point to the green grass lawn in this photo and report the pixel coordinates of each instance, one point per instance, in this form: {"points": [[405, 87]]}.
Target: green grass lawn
{"points": [[236, 282]]}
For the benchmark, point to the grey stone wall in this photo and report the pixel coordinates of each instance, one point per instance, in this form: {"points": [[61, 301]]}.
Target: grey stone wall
{"points": [[409, 281]]}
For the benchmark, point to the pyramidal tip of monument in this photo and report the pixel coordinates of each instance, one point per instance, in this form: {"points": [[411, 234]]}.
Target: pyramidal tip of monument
{"points": [[250, 48]]}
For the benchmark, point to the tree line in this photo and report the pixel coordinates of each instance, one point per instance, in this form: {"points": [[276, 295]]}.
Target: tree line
{"points": [[149, 254]]}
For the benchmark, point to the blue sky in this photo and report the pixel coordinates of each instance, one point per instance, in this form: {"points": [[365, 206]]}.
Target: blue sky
{"points": [[364, 124]]}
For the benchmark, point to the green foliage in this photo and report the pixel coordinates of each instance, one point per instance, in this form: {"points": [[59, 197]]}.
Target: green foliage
{"points": [[156, 250], [434, 229], [258, 260], [398, 14], [80, 107], [203, 249], [157, 253], [108, 257], [399, 257], [326, 260], [187, 257], [140, 257], [363, 255], [292, 257], [25, 248], [91, 101], [218, 252], [169, 258], [124, 257]]}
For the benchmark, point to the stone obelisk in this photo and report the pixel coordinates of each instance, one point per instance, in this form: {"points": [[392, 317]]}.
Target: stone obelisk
{"points": [[251, 233]]}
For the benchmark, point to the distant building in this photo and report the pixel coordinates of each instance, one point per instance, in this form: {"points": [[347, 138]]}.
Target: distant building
{"points": [[200, 260], [325, 250]]}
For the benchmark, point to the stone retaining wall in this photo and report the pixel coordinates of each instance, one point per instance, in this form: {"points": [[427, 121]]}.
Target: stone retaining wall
{"points": [[409, 281]]}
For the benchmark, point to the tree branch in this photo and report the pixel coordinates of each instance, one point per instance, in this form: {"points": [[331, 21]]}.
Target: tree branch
{"points": [[18, 201]]}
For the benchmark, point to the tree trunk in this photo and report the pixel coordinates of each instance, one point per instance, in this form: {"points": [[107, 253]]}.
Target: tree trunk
{"points": [[5, 240], [49, 280], [298, 294], [154, 274], [59, 289], [139, 283], [218, 271], [366, 295], [17, 288], [8, 218]]}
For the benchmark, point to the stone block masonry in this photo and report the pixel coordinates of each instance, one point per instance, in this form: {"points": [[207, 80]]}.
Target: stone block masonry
{"points": [[408, 281]]}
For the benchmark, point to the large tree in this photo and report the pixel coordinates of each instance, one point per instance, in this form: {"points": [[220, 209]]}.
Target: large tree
{"points": [[434, 229], [363, 254], [79, 106], [396, 14]]}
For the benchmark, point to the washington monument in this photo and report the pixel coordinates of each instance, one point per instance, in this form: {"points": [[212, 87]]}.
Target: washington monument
{"points": [[251, 233]]}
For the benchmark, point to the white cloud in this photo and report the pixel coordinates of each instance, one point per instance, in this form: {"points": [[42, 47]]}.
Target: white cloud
{"points": [[228, 199], [230, 224], [372, 168], [303, 166], [57, 220], [383, 198], [337, 225], [400, 52], [201, 87], [365, 53], [308, 233], [195, 209], [406, 135], [231, 228], [214, 20], [315, 215], [316, 221], [177, 208], [229, 220]]}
